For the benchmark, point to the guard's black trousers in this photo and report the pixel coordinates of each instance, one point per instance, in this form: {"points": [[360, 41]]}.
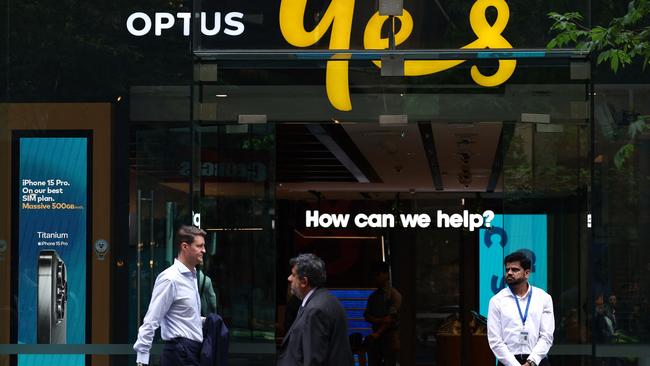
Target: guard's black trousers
{"points": [[522, 360], [181, 352]]}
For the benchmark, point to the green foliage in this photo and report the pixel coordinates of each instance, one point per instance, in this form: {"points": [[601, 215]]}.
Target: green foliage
{"points": [[518, 170], [639, 126], [623, 154], [620, 42], [546, 166], [259, 143]]}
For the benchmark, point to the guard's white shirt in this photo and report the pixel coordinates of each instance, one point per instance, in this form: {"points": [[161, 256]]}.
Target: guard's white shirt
{"points": [[175, 306], [504, 325]]}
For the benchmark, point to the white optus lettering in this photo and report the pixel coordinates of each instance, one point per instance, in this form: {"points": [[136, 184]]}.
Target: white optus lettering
{"points": [[141, 32], [186, 17], [231, 21], [217, 24], [163, 21], [140, 24]]}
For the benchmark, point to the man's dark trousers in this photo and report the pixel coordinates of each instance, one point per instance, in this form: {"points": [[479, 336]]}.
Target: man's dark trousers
{"points": [[383, 350], [522, 360], [180, 352]]}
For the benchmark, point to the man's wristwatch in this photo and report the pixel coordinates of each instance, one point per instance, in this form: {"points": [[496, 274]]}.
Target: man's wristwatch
{"points": [[531, 362]]}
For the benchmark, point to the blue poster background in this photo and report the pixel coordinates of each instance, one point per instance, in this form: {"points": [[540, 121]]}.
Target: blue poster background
{"points": [[42, 159], [509, 233]]}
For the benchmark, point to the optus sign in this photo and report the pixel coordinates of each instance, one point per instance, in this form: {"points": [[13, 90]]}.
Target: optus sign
{"points": [[238, 25], [338, 18], [140, 24]]}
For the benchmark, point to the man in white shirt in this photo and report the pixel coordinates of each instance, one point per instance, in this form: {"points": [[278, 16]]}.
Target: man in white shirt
{"points": [[520, 318], [176, 306]]}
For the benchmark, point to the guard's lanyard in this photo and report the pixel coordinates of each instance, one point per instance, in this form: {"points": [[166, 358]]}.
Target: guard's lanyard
{"points": [[525, 315]]}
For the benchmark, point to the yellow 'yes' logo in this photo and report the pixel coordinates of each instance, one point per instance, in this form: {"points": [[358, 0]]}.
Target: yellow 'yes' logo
{"points": [[339, 16]]}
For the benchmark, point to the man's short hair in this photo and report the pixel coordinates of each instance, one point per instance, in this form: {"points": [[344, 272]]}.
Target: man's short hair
{"points": [[311, 267], [518, 256], [187, 233]]}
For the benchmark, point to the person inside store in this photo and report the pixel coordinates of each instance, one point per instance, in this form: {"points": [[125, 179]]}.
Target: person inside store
{"points": [[603, 324], [175, 306], [319, 334], [610, 309], [520, 317], [382, 311]]}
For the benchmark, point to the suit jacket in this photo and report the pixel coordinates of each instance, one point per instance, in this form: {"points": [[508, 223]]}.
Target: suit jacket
{"points": [[319, 335], [214, 350]]}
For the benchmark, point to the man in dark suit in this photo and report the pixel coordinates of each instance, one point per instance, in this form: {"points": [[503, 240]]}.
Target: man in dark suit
{"points": [[319, 335]]}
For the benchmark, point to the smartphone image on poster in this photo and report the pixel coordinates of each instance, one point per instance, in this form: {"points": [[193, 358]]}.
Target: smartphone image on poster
{"points": [[52, 298]]}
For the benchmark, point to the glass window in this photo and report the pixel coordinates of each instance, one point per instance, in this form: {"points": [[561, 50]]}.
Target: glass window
{"points": [[620, 259]]}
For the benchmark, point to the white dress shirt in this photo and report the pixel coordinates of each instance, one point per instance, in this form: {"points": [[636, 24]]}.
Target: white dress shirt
{"points": [[505, 325], [175, 306], [304, 301]]}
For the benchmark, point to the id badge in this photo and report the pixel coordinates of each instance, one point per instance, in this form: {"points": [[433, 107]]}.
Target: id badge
{"points": [[523, 337]]}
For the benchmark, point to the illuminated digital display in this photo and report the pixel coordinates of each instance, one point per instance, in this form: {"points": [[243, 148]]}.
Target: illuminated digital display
{"points": [[508, 234]]}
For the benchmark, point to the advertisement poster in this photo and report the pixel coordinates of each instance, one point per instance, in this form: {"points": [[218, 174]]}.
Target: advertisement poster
{"points": [[509, 233], [52, 244]]}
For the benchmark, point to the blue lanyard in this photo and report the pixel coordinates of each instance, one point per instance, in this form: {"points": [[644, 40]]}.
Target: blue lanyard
{"points": [[523, 316]]}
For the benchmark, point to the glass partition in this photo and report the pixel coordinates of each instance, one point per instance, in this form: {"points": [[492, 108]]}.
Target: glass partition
{"points": [[160, 186], [419, 145], [237, 210], [620, 260]]}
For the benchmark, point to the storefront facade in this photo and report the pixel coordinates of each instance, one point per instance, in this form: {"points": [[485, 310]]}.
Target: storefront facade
{"points": [[246, 117]]}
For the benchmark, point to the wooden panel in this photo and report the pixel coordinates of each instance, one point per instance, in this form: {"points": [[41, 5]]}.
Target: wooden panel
{"points": [[66, 116]]}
